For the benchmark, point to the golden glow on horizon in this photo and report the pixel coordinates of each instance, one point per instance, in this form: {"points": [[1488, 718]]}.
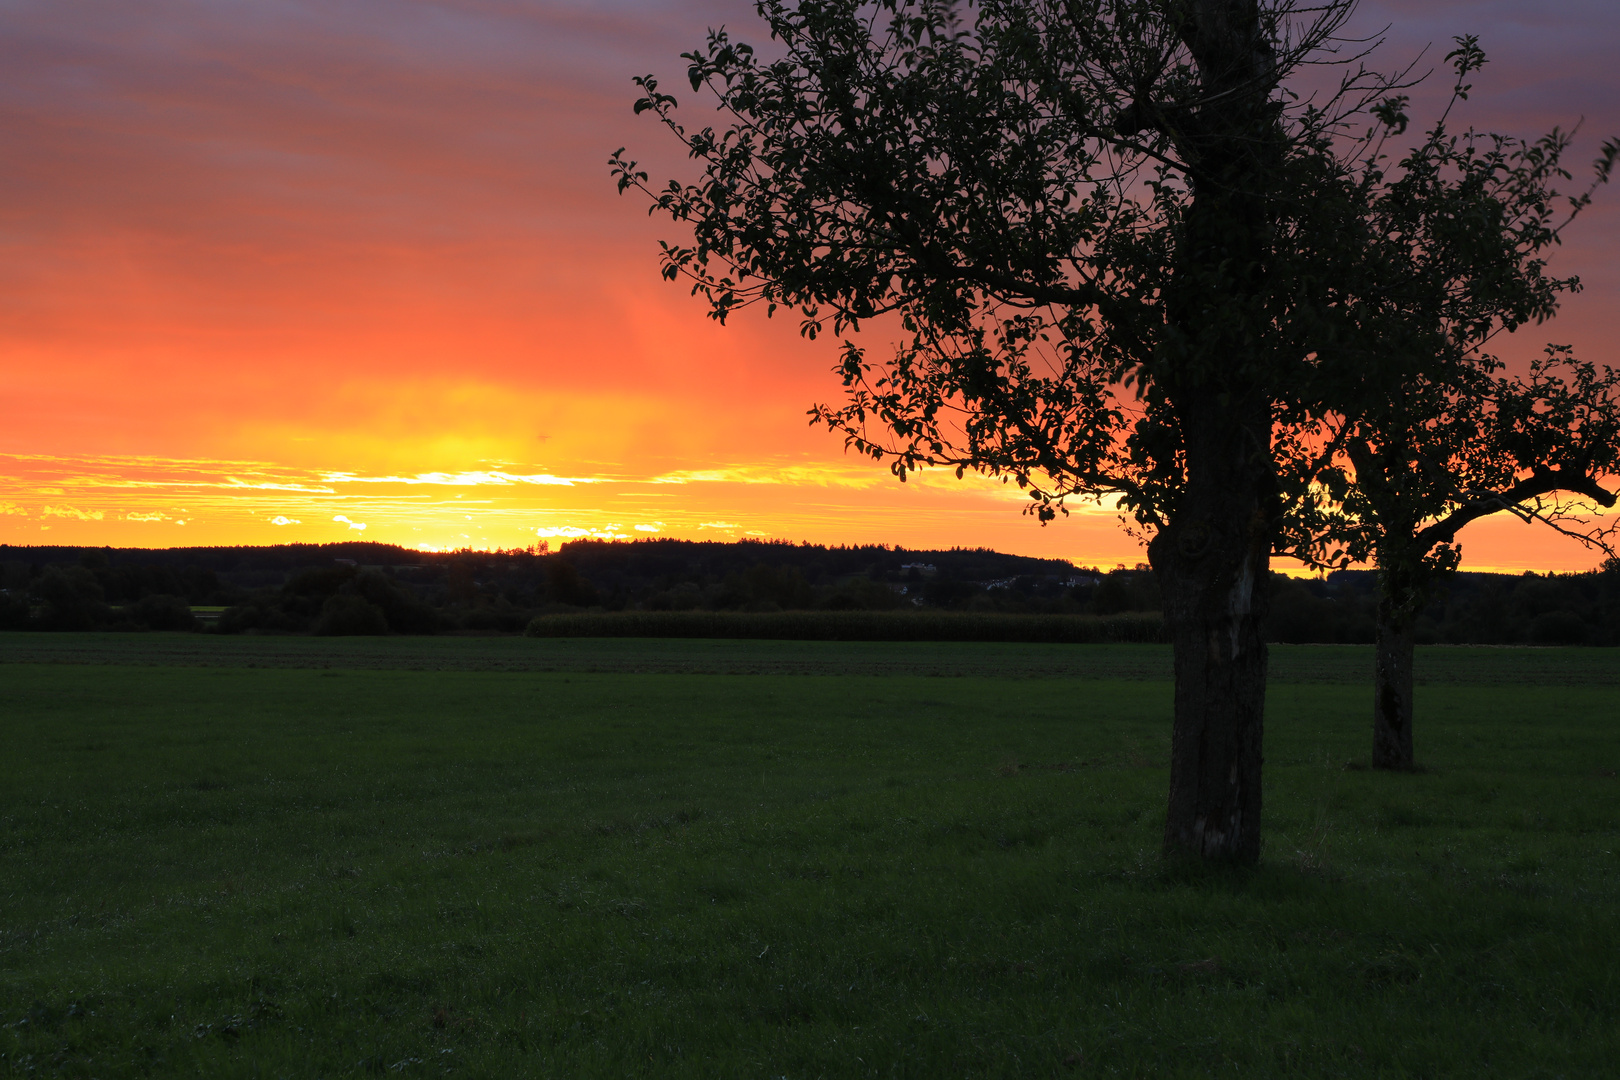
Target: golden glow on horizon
{"points": [[156, 502], [136, 502]]}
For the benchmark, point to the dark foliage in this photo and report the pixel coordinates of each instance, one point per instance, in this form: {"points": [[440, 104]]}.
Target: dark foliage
{"points": [[1469, 609], [349, 614], [566, 584], [162, 611], [70, 599], [413, 592], [340, 599]]}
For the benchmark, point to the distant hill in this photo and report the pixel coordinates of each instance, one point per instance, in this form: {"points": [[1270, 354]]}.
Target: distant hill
{"points": [[364, 587]]}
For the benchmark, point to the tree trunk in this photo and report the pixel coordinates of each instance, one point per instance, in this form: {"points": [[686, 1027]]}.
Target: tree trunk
{"points": [[1392, 691], [1213, 565], [1213, 552]]}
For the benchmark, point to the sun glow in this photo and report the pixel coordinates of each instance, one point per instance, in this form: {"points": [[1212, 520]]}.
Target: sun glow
{"points": [[154, 502]]}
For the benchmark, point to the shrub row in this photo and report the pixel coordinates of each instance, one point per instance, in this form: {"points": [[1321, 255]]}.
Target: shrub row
{"points": [[855, 626]]}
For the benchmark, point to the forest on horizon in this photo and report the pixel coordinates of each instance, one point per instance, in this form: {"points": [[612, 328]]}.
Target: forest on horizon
{"points": [[367, 587]]}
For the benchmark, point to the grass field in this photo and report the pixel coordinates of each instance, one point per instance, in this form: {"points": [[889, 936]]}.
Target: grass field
{"points": [[509, 857]]}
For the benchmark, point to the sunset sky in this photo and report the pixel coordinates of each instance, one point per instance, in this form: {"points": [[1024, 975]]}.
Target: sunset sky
{"points": [[311, 270]]}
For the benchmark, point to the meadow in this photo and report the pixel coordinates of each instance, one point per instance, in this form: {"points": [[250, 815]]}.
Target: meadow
{"points": [[267, 857]]}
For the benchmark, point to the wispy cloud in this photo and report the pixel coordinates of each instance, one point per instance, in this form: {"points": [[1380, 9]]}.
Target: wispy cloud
{"points": [[819, 475], [463, 479], [144, 483], [574, 532]]}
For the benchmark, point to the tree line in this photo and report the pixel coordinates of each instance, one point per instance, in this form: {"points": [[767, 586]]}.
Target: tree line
{"points": [[369, 588]]}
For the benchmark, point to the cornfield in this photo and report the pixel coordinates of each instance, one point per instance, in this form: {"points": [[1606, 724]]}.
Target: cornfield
{"points": [[1137, 627]]}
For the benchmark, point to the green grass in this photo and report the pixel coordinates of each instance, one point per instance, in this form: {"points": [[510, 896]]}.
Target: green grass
{"points": [[618, 864], [1347, 664]]}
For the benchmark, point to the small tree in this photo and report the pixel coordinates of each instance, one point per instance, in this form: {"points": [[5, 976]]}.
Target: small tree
{"points": [[1536, 446], [1119, 255], [1433, 436]]}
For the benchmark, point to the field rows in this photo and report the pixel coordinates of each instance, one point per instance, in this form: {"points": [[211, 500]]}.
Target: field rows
{"points": [[1326, 664]]}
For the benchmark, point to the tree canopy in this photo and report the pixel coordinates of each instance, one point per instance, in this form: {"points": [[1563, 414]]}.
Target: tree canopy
{"points": [[1013, 184]]}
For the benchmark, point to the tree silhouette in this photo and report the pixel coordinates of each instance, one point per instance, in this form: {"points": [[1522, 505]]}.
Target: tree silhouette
{"points": [[1536, 446], [1433, 435], [1121, 259]]}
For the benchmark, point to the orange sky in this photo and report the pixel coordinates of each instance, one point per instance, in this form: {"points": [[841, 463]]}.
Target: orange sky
{"points": [[275, 271]]}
